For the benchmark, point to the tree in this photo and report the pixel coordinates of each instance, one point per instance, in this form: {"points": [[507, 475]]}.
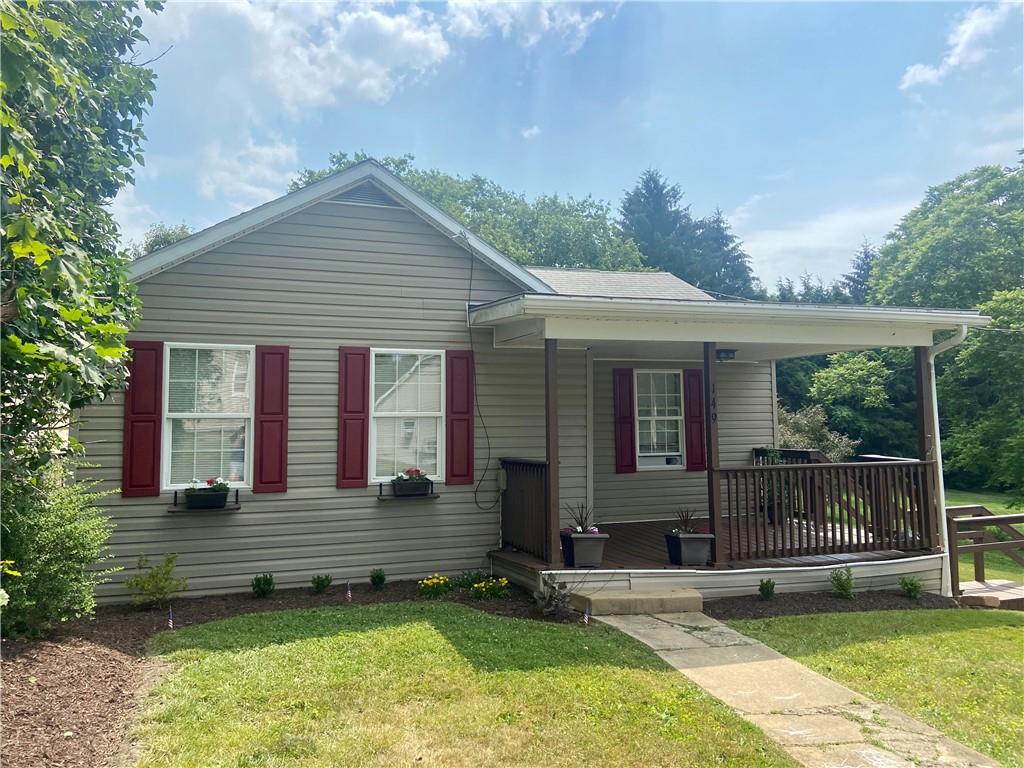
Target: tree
{"points": [[159, 235], [856, 281], [983, 401], [652, 214], [704, 252], [964, 242], [549, 230], [72, 101], [808, 428], [719, 263]]}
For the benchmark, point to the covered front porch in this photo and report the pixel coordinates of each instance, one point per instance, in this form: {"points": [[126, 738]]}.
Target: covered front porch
{"points": [[770, 510]]}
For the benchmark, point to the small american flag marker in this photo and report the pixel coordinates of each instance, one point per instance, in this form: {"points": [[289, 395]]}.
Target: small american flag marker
{"points": [[586, 616], [170, 617], [348, 591]]}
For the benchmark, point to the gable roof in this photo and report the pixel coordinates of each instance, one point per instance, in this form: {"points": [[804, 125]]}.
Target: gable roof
{"points": [[626, 285], [354, 180]]}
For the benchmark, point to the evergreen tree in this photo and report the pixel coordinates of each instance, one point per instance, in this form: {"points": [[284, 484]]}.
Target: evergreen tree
{"points": [[719, 262], [652, 214], [855, 282]]}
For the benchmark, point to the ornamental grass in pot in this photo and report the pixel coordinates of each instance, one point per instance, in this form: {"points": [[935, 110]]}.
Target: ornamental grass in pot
{"points": [[582, 542], [211, 495], [687, 543]]}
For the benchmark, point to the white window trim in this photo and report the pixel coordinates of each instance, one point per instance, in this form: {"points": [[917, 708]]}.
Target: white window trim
{"points": [[374, 351], [165, 453], [636, 422]]}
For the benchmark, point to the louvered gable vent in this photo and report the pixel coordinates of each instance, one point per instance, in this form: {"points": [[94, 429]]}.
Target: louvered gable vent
{"points": [[366, 194]]}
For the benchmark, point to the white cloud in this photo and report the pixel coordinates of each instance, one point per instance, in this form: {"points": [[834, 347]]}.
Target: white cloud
{"points": [[823, 244], [745, 210], [528, 23], [133, 216], [966, 45], [1003, 123], [248, 176], [530, 133], [998, 152], [318, 53]]}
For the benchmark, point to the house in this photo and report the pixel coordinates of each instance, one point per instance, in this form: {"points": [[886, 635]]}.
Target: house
{"points": [[310, 349]]}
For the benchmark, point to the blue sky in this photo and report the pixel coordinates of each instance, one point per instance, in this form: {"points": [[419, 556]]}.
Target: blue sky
{"points": [[813, 126]]}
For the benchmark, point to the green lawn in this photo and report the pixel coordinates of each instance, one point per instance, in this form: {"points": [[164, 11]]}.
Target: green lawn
{"points": [[429, 684], [962, 671], [997, 564]]}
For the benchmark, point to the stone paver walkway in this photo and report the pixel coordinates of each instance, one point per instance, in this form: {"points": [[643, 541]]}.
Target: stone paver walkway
{"points": [[819, 722]]}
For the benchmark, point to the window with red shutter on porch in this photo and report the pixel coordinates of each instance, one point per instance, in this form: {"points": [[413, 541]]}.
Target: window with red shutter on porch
{"points": [[353, 417], [693, 420], [143, 417], [270, 460], [459, 417]]}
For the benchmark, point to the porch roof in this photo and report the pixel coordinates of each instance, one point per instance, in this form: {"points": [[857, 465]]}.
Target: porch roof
{"points": [[659, 328]]}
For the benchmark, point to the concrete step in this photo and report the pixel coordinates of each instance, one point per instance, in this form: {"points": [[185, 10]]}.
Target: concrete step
{"points": [[608, 602]]}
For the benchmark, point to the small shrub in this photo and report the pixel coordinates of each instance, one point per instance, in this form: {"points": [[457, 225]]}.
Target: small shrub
{"points": [[321, 582], [766, 588], [263, 585], [911, 587], [490, 589], [56, 536], [154, 585], [553, 598], [842, 583], [377, 578], [435, 586], [467, 579]]}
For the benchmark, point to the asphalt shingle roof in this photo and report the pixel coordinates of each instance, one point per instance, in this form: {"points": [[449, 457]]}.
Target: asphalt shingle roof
{"points": [[625, 285]]}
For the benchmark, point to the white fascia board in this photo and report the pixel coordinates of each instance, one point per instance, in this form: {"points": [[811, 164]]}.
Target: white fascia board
{"points": [[556, 306], [293, 202]]}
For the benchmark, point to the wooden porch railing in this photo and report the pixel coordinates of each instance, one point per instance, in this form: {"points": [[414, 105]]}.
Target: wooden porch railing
{"points": [[797, 509], [973, 522], [524, 512]]}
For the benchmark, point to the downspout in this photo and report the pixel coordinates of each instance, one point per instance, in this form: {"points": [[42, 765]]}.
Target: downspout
{"points": [[933, 352]]}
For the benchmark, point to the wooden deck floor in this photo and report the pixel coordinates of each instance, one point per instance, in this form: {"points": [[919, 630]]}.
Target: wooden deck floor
{"points": [[641, 545]]}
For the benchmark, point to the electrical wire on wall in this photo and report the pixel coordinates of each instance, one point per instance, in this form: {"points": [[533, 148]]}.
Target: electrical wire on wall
{"points": [[463, 240]]}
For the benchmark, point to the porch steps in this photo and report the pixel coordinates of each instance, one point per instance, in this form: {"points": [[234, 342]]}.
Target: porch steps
{"points": [[994, 593], [608, 602]]}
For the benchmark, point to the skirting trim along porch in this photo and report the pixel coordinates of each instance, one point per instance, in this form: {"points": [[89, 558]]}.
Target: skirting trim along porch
{"points": [[872, 570]]}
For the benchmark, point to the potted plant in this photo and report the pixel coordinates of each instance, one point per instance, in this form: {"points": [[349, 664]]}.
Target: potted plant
{"points": [[687, 543], [212, 495], [412, 482], [582, 543]]}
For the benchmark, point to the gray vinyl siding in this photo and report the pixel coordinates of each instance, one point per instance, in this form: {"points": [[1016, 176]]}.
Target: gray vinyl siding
{"points": [[335, 275], [745, 421]]}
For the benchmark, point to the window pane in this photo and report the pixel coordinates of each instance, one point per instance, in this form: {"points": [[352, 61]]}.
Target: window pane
{"points": [[405, 443], [208, 381], [205, 448], [646, 445], [405, 383]]}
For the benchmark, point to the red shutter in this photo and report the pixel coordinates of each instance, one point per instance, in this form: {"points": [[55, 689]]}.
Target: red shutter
{"points": [[353, 416], [693, 419], [270, 429], [458, 419], [143, 416], [625, 421]]}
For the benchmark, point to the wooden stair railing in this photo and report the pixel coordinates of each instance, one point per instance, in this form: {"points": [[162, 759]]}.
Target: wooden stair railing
{"points": [[973, 522]]}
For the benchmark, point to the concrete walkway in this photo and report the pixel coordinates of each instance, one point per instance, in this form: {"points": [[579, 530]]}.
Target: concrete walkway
{"points": [[819, 722]]}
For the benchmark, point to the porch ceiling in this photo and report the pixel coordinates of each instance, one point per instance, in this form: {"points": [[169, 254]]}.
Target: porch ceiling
{"points": [[664, 329]]}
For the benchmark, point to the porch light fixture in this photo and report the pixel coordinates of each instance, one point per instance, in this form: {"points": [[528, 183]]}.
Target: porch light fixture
{"points": [[725, 354]]}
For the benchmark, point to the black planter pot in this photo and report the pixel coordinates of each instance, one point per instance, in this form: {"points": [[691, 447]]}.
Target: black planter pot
{"points": [[203, 499], [689, 548], [583, 550], [412, 487]]}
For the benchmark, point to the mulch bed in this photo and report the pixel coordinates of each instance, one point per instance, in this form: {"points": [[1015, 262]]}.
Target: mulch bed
{"points": [[800, 603], [67, 700]]}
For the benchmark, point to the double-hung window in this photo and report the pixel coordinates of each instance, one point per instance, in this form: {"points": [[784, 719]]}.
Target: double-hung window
{"points": [[407, 412], [208, 413], [659, 419]]}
